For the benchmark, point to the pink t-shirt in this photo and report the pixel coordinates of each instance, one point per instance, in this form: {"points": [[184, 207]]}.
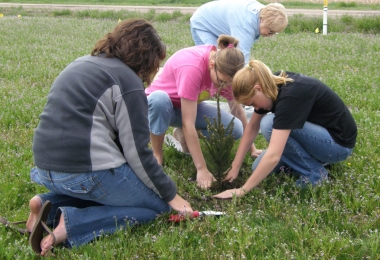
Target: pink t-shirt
{"points": [[186, 75]]}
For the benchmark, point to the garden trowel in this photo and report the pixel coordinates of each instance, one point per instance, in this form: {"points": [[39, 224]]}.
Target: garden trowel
{"points": [[196, 214]]}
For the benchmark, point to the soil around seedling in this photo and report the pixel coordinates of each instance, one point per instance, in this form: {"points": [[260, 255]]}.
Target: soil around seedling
{"points": [[226, 185]]}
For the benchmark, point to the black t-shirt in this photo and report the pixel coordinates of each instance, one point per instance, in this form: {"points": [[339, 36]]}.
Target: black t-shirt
{"points": [[308, 99]]}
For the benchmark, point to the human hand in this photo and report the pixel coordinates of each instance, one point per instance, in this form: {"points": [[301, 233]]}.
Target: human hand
{"points": [[232, 174], [205, 179], [255, 152], [228, 194], [181, 206]]}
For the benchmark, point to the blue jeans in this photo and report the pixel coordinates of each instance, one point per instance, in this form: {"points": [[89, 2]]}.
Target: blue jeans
{"points": [[203, 37], [306, 151], [96, 203], [162, 114]]}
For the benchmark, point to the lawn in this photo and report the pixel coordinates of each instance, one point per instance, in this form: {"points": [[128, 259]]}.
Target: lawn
{"points": [[339, 220], [307, 4]]}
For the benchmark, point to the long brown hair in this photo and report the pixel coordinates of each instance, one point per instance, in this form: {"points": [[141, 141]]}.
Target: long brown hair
{"points": [[136, 43]]}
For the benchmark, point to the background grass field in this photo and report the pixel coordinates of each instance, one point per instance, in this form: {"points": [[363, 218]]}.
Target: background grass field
{"points": [[340, 220], [311, 4]]}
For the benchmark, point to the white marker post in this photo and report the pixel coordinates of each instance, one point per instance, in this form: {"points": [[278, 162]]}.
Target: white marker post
{"points": [[325, 2]]}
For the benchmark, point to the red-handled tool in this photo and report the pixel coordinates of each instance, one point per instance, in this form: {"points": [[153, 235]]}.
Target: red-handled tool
{"points": [[196, 214]]}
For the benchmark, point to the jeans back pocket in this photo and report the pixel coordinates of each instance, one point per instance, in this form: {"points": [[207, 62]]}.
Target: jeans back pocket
{"points": [[87, 188]]}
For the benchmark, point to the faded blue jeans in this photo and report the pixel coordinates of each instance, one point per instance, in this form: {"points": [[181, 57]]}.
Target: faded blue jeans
{"points": [[96, 203], [162, 114], [306, 152]]}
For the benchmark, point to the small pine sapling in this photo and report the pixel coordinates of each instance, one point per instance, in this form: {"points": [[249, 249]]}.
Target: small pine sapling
{"points": [[218, 147]]}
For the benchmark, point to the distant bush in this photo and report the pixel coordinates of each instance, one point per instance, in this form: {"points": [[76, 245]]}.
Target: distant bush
{"points": [[344, 24], [61, 13], [368, 24], [345, 5], [163, 17]]}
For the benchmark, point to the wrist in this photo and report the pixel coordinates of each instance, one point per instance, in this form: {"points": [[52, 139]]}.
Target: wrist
{"points": [[201, 168], [235, 166]]}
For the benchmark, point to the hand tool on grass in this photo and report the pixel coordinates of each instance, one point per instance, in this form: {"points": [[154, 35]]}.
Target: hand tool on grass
{"points": [[196, 214]]}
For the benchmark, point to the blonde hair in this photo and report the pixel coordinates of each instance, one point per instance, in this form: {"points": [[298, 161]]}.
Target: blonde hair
{"points": [[274, 17], [228, 59], [257, 73]]}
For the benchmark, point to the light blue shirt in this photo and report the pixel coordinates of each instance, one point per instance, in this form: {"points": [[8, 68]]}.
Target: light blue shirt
{"points": [[238, 18]]}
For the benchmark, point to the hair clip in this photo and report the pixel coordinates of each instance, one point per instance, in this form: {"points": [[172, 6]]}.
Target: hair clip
{"points": [[231, 45], [249, 66]]}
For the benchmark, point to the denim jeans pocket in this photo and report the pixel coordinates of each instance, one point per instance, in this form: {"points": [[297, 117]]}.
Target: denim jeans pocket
{"points": [[87, 188], [34, 176]]}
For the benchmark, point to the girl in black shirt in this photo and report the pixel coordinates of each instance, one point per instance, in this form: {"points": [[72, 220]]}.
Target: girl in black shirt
{"points": [[309, 125]]}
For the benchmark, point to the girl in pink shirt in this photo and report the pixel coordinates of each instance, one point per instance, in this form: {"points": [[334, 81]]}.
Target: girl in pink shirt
{"points": [[191, 76]]}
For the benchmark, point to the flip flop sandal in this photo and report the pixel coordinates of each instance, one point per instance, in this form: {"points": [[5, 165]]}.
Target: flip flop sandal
{"points": [[14, 226], [40, 226], [51, 249]]}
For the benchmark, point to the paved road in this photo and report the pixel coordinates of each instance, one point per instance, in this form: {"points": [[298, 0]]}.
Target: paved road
{"points": [[161, 9]]}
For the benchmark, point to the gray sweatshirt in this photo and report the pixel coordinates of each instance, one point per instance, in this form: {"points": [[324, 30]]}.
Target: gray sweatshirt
{"points": [[96, 118]]}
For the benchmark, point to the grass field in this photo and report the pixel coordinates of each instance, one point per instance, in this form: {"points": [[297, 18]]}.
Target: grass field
{"points": [[310, 4], [340, 220], [178, 2]]}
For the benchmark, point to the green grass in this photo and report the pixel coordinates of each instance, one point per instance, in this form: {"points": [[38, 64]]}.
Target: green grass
{"points": [[340, 220], [336, 5]]}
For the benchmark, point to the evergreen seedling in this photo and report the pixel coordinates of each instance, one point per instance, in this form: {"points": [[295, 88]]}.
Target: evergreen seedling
{"points": [[218, 146]]}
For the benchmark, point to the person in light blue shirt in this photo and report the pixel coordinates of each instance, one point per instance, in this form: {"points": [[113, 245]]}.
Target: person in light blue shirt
{"points": [[245, 20]]}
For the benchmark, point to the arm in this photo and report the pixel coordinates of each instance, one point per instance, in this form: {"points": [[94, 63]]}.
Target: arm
{"points": [[238, 111], [249, 135], [204, 177], [246, 38], [143, 162], [246, 27], [267, 163], [270, 159], [134, 136]]}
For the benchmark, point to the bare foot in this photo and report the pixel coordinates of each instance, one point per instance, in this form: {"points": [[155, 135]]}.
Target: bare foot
{"points": [[35, 206], [178, 134], [59, 235]]}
